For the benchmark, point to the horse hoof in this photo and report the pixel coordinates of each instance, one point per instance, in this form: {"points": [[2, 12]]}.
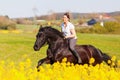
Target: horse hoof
{"points": [[38, 70]]}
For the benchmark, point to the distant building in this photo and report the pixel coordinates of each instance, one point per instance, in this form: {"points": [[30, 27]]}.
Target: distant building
{"points": [[105, 18]]}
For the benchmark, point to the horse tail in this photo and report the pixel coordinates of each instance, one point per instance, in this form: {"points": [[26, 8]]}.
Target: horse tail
{"points": [[106, 58]]}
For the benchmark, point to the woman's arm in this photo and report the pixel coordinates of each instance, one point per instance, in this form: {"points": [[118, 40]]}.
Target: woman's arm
{"points": [[73, 34]]}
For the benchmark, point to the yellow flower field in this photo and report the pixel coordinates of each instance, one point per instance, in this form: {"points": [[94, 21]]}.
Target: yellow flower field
{"points": [[11, 31], [58, 71]]}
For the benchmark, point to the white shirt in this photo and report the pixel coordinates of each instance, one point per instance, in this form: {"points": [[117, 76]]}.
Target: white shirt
{"points": [[66, 30]]}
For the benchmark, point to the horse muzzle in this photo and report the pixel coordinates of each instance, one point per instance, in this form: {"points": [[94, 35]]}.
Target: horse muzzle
{"points": [[36, 48]]}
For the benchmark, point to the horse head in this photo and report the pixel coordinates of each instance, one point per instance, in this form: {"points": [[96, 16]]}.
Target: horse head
{"points": [[40, 39], [49, 35]]}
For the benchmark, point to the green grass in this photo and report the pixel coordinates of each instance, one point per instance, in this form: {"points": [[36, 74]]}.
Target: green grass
{"points": [[19, 47], [109, 44]]}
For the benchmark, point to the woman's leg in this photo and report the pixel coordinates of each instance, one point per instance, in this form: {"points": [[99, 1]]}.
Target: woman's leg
{"points": [[72, 43]]}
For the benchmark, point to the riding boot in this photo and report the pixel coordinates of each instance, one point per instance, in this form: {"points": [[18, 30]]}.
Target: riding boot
{"points": [[77, 56]]}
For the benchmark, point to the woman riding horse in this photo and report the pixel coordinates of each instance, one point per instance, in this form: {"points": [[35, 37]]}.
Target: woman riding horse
{"points": [[68, 30], [59, 49]]}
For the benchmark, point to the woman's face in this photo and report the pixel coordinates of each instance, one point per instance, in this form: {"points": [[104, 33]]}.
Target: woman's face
{"points": [[65, 18]]}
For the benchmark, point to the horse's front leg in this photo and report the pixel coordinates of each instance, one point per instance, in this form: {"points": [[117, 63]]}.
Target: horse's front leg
{"points": [[44, 60]]}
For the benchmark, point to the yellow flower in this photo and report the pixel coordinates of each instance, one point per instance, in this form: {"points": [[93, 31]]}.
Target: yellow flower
{"points": [[109, 61], [64, 60], [92, 60], [118, 63], [113, 58], [58, 71], [4, 31]]}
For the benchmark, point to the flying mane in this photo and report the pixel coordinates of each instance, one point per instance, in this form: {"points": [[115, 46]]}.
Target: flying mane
{"points": [[54, 31]]}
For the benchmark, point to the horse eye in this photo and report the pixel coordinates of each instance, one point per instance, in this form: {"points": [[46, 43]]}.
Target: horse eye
{"points": [[38, 36]]}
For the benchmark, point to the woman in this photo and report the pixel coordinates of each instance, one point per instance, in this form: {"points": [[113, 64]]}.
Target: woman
{"points": [[68, 30]]}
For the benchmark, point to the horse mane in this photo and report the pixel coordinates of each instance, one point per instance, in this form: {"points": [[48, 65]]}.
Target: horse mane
{"points": [[55, 31]]}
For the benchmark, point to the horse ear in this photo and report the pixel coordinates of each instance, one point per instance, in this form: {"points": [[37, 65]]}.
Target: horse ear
{"points": [[40, 27]]}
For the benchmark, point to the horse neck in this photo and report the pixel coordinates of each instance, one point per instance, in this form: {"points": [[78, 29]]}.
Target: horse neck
{"points": [[57, 43]]}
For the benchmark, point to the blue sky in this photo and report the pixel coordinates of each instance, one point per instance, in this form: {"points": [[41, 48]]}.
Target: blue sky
{"points": [[28, 8]]}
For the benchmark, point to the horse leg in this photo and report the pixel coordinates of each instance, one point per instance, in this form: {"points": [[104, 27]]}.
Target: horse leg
{"points": [[44, 60]]}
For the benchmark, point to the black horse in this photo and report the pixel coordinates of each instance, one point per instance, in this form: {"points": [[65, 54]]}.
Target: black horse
{"points": [[58, 48]]}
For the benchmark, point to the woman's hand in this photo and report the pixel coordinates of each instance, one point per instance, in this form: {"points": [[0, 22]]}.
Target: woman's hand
{"points": [[66, 37]]}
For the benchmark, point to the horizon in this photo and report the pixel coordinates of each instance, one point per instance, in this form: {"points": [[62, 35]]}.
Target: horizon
{"points": [[100, 13]]}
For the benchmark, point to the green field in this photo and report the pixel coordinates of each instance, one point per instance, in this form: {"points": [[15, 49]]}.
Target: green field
{"points": [[19, 47]]}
